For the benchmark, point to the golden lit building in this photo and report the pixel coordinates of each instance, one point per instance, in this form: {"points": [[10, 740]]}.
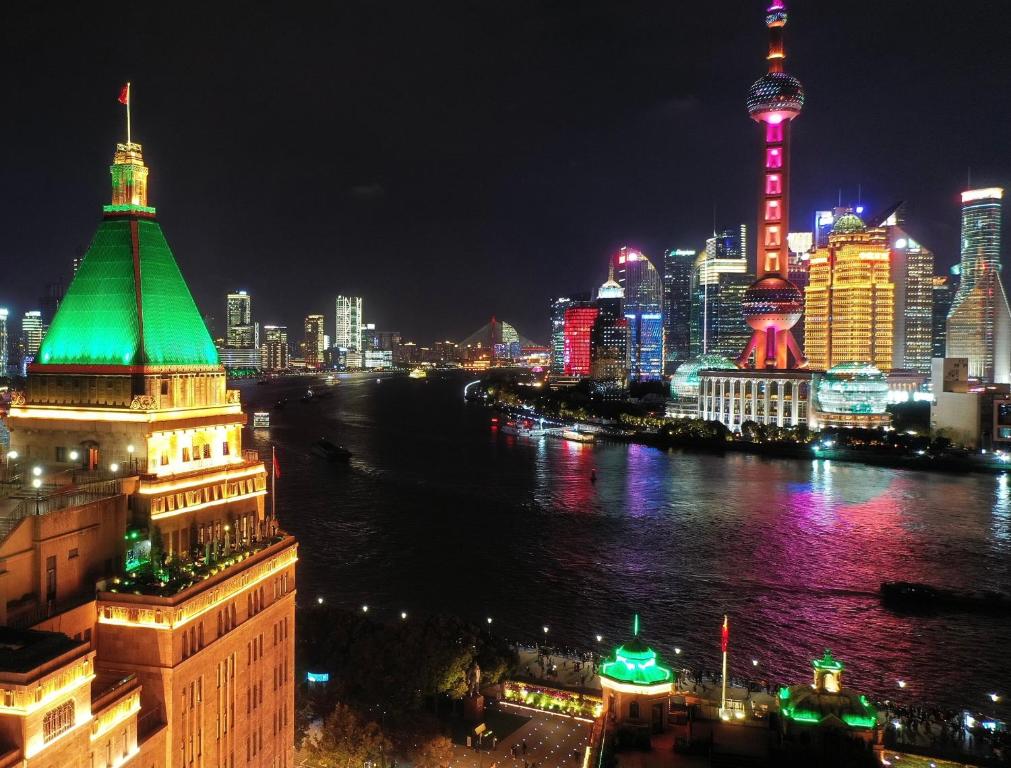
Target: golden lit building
{"points": [[849, 300], [146, 598]]}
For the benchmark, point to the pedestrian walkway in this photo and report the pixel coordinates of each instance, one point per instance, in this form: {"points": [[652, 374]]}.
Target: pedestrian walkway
{"points": [[551, 741]]}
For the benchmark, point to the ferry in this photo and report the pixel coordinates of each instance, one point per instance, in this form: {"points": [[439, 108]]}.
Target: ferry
{"points": [[578, 437], [418, 373], [523, 428]]}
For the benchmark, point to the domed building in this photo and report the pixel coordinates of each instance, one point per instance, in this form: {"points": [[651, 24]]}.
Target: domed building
{"points": [[684, 384], [808, 711], [637, 687], [852, 395]]}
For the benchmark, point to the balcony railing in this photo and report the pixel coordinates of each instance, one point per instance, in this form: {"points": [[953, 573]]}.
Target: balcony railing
{"points": [[44, 503]]}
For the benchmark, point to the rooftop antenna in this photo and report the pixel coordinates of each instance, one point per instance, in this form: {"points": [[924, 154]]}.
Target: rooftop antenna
{"points": [[860, 195], [635, 625]]}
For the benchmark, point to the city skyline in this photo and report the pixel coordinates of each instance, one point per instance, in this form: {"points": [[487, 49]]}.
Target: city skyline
{"points": [[424, 236]]}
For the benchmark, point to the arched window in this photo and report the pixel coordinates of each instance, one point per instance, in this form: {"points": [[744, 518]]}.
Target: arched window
{"points": [[633, 710]]}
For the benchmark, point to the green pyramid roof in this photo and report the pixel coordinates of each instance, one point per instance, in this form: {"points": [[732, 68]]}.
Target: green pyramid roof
{"points": [[128, 305]]}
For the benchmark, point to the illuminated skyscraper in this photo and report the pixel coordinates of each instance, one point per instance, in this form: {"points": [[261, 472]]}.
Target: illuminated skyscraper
{"points": [[979, 324], [609, 337], [274, 351], [643, 307], [720, 279], [111, 656], [4, 342], [239, 332], [32, 331], [677, 306], [577, 349], [849, 301], [773, 305], [348, 324], [912, 272], [315, 345], [558, 307], [944, 291]]}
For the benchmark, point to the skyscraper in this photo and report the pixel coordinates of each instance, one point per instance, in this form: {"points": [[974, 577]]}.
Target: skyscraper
{"points": [[348, 324], [719, 280], [979, 324], [678, 265], [944, 293], [773, 305], [911, 272], [609, 336], [130, 641], [558, 307], [643, 307], [32, 331], [274, 350], [314, 344], [577, 351], [239, 332], [4, 343], [849, 301]]}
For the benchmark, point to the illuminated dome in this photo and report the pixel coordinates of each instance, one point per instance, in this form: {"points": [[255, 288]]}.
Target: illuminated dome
{"points": [[685, 381], [827, 702], [775, 93], [635, 664], [853, 388], [772, 301], [847, 224]]}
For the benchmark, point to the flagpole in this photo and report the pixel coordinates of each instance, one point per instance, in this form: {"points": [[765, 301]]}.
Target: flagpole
{"points": [[723, 696], [129, 98], [273, 483]]}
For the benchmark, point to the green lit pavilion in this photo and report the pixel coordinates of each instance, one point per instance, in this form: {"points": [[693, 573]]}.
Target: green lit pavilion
{"points": [[826, 703], [636, 685]]}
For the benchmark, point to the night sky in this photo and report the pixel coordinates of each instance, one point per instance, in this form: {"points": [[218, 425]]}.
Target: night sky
{"points": [[449, 160]]}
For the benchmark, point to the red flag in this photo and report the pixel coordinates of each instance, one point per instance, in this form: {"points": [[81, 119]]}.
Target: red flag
{"points": [[124, 94], [277, 467], [725, 635]]}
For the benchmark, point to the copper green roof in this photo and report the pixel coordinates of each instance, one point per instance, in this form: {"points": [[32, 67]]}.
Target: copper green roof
{"points": [[128, 305]]}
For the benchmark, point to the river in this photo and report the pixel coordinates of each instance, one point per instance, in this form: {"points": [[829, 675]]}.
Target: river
{"points": [[437, 511]]}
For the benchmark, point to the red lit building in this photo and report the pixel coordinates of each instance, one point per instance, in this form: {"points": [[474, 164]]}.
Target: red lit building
{"points": [[578, 340]]}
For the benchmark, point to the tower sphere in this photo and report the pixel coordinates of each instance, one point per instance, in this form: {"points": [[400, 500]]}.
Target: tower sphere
{"points": [[772, 301], [775, 96]]}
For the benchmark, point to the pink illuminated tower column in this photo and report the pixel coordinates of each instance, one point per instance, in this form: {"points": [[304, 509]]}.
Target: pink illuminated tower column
{"points": [[772, 304]]}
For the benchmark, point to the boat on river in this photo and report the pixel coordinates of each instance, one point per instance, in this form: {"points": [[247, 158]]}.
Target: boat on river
{"points": [[331, 451], [578, 437], [914, 596], [523, 428]]}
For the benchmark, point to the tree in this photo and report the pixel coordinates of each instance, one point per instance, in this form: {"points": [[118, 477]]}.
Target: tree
{"points": [[436, 752], [346, 741]]}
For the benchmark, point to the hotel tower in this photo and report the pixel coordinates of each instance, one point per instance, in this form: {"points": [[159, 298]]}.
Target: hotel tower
{"points": [[146, 597]]}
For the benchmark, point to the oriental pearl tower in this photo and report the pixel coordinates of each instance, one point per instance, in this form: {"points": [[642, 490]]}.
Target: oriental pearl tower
{"points": [[772, 304]]}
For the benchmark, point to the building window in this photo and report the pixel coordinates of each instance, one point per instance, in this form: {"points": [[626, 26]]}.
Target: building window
{"points": [[57, 721], [773, 184], [61, 454], [186, 453], [774, 158], [72, 554], [224, 448], [772, 210]]}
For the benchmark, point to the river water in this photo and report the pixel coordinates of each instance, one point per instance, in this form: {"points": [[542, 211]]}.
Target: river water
{"points": [[437, 511]]}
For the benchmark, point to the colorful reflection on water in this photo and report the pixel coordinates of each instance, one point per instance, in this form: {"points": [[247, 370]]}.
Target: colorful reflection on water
{"points": [[441, 512]]}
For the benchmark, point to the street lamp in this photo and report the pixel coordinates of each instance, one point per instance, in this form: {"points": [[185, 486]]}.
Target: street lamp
{"points": [[600, 638], [319, 600], [403, 615], [114, 468], [902, 683], [74, 455], [677, 651], [129, 450], [754, 662], [365, 609], [994, 698], [37, 485], [37, 471]]}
